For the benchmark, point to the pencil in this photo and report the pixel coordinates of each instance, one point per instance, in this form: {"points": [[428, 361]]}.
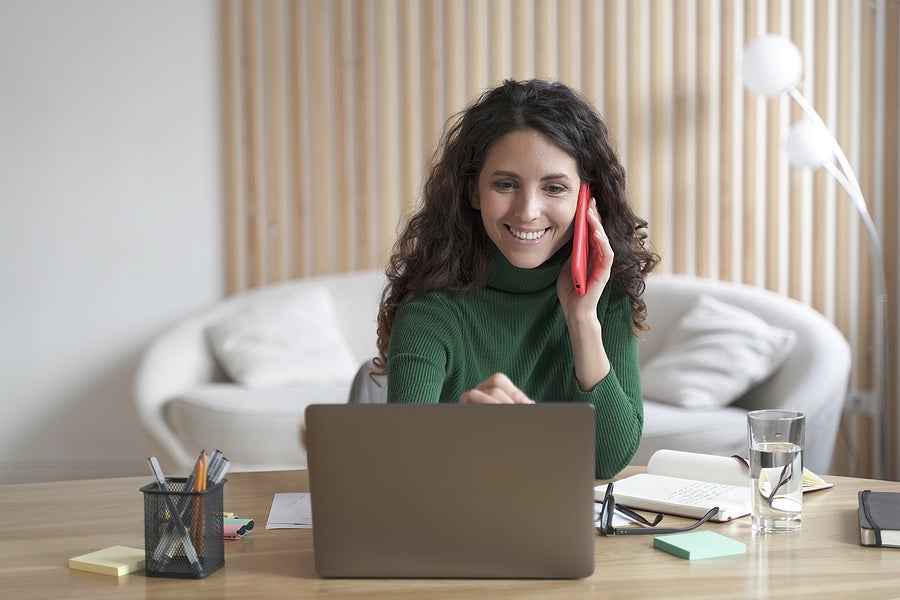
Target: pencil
{"points": [[200, 487]]}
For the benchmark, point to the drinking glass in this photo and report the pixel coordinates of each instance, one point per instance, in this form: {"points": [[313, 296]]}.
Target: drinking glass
{"points": [[776, 469]]}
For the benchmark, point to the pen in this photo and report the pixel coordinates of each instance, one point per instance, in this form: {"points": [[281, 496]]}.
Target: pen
{"points": [[168, 543], [218, 466], [213, 463], [169, 540], [189, 549], [219, 475]]}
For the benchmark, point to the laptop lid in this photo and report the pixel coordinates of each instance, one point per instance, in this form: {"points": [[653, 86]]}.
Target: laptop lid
{"points": [[452, 490]]}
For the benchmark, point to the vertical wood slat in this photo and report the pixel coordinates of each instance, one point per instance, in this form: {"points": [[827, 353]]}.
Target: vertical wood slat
{"points": [[636, 123], [387, 100], [771, 181], [477, 68], [343, 124], [753, 109], [702, 63], [251, 103], [545, 46], [799, 256], [569, 44], [411, 104], [727, 177], [275, 200], [524, 39], [230, 147], [767, 167], [454, 51], [500, 39], [364, 91], [613, 84], [588, 19], [886, 178], [681, 148], [331, 111], [661, 149], [321, 129], [297, 151]]}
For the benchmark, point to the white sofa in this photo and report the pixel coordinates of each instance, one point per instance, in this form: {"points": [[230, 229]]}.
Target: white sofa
{"points": [[813, 378], [187, 403]]}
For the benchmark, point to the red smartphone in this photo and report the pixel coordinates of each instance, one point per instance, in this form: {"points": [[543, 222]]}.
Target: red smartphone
{"points": [[580, 241]]}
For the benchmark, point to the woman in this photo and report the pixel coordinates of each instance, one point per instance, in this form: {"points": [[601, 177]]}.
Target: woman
{"points": [[480, 305]]}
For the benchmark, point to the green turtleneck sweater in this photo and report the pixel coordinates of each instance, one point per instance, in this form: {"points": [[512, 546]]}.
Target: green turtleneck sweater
{"points": [[442, 346]]}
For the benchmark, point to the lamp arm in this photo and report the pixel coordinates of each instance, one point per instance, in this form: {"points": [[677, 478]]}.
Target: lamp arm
{"points": [[872, 232], [804, 104], [880, 354]]}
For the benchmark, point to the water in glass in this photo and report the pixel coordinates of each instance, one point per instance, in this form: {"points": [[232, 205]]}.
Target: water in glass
{"points": [[776, 486]]}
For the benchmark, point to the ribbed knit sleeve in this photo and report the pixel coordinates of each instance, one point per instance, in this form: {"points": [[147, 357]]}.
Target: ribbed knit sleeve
{"points": [[617, 399], [424, 339]]}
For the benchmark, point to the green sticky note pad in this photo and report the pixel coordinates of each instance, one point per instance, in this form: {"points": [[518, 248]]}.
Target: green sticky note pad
{"points": [[699, 544]]}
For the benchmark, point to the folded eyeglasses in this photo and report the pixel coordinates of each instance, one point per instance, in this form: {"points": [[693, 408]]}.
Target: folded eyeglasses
{"points": [[604, 518]]}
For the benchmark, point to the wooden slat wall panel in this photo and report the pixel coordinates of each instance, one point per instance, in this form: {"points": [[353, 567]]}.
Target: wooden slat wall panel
{"points": [[332, 110]]}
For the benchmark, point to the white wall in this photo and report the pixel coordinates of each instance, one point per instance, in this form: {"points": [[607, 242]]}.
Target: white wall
{"points": [[110, 218]]}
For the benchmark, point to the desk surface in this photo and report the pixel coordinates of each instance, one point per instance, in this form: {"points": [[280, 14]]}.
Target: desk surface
{"points": [[46, 524]]}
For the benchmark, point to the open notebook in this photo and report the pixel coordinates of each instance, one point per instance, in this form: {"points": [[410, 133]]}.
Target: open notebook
{"points": [[688, 484], [452, 490]]}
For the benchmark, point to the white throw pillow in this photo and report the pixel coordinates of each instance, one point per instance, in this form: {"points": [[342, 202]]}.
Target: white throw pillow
{"points": [[715, 353], [283, 340]]}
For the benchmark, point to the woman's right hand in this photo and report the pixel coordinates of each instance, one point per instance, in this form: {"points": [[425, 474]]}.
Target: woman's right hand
{"points": [[496, 389]]}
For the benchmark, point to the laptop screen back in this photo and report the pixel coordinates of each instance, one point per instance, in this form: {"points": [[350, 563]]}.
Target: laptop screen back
{"points": [[452, 490]]}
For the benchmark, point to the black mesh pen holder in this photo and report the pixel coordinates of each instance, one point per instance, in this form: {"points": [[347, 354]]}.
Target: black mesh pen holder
{"points": [[183, 534]]}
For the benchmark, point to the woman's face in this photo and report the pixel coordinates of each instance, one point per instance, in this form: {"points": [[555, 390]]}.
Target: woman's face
{"points": [[527, 192]]}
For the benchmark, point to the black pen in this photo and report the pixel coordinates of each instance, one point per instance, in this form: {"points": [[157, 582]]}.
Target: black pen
{"points": [[189, 549]]}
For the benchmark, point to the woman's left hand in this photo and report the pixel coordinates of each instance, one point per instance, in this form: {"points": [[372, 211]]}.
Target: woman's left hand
{"points": [[585, 330], [600, 260]]}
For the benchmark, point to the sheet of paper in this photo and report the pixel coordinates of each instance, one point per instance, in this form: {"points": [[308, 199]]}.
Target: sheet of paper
{"points": [[290, 511]]}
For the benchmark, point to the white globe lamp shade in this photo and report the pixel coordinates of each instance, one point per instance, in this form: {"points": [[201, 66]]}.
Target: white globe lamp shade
{"points": [[809, 145], [772, 65]]}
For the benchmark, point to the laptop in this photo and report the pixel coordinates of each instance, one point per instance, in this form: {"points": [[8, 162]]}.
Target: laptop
{"points": [[452, 490]]}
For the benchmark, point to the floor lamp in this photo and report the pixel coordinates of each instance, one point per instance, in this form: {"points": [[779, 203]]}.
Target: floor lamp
{"points": [[773, 67]]}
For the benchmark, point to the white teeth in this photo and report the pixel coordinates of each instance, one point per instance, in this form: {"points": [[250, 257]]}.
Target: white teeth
{"points": [[528, 235]]}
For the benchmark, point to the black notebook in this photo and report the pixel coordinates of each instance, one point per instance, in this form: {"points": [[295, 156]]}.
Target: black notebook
{"points": [[879, 518]]}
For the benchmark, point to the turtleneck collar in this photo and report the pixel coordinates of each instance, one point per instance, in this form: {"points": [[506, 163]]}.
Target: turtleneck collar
{"points": [[512, 279]]}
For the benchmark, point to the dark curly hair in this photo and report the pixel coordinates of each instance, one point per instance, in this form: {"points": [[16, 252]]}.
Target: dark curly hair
{"points": [[444, 246]]}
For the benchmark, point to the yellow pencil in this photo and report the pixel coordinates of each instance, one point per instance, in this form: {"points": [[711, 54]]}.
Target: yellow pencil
{"points": [[199, 486]]}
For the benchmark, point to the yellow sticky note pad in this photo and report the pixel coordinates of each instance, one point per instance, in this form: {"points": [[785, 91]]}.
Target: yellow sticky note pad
{"points": [[115, 560], [699, 544]]}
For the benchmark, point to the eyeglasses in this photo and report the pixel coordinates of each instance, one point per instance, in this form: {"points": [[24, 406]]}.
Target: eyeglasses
{"points": [[604, 518], [787, 473]]}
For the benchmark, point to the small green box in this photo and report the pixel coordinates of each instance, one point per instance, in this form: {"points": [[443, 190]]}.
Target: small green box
{"points": [[699, 544]]}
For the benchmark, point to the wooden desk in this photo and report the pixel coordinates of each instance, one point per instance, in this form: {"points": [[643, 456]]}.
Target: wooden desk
{"points": [[46, 524]]}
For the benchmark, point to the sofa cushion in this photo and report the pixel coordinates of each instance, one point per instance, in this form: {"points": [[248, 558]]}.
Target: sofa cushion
{"points": [[714, 354], [718, 431], [260, 428], [284, 339]]}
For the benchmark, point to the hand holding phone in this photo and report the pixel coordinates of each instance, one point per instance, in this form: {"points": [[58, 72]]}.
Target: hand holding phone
{"points": [[580, 241]]}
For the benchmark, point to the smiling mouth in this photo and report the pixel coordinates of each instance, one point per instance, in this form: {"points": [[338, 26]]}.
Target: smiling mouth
{"points": [[527, 235]]}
